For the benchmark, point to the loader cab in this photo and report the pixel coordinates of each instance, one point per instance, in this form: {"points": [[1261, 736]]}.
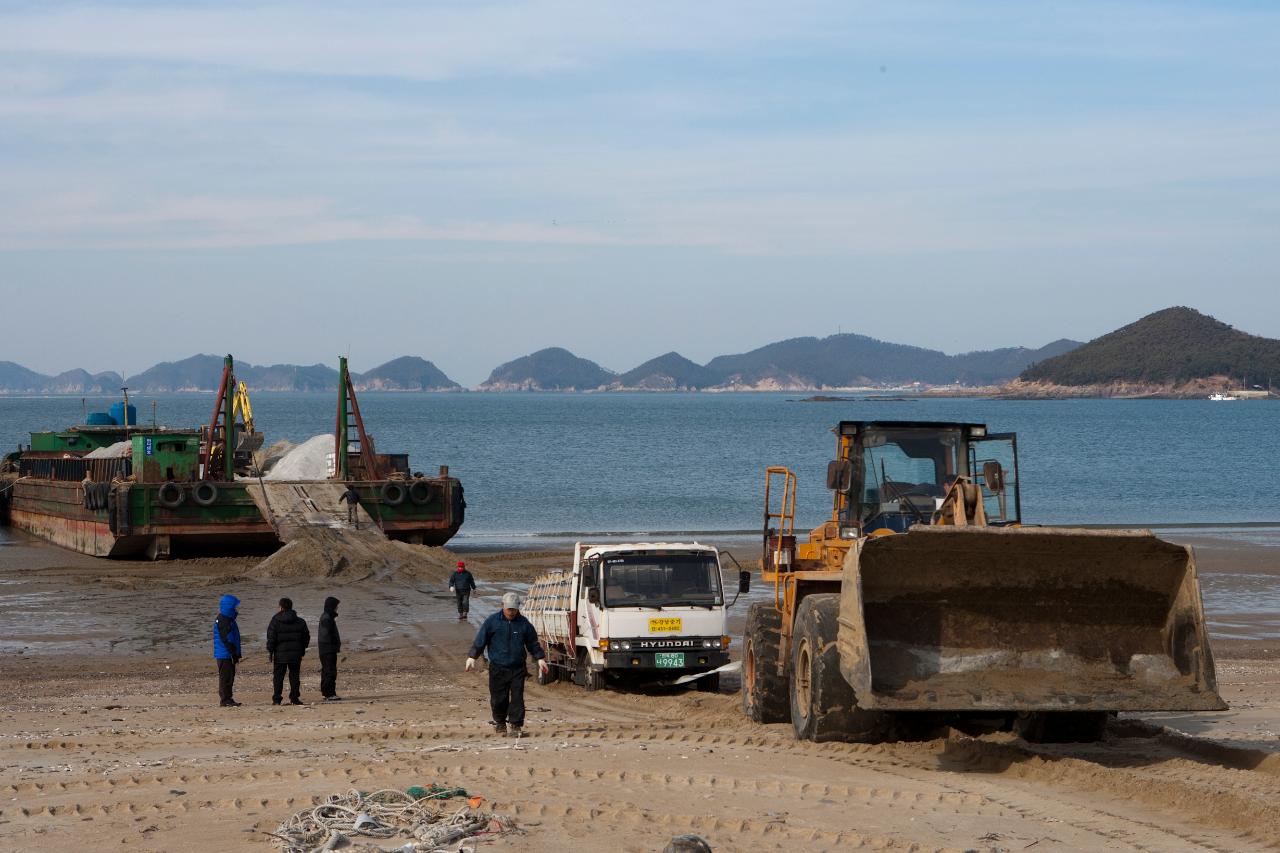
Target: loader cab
{"points": [[889, 475]]}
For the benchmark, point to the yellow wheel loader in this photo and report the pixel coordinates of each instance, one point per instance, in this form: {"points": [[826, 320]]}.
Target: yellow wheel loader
{"points": [[923, 601]]}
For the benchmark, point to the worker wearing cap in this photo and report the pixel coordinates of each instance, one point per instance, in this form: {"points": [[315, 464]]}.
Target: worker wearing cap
{"points": [[461, 582], [507, 636]]}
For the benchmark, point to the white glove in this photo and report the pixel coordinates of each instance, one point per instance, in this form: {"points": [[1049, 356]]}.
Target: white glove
{"points": [[542, 667], [471, 664]]}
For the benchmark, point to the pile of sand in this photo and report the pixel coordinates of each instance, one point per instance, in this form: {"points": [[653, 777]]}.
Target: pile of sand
{"points": [[267, 459], [328, 553], [111, 451], [307, 461]]}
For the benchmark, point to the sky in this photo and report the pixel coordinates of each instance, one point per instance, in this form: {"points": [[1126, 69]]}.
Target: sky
{"points": [[472, 181]]}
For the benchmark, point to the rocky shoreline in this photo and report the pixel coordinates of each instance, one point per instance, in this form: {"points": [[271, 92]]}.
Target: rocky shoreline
{"points": [[1198, 389]]}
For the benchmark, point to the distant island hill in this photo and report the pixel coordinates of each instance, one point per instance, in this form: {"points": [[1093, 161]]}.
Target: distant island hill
{"points": [[1172, 353]]}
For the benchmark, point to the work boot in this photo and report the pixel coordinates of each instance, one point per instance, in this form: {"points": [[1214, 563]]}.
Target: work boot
{"points": [[230, 703], [333, 698], [499, 729], [296, 702], [275, 701], [517, 731]]}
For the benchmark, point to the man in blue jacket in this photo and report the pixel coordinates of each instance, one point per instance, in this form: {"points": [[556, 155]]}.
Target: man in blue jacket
{"points": [[507, 635], [226, 648]]}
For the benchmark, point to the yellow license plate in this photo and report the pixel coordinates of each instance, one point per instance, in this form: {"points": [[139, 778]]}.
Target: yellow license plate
{"points": [[665, 623]]}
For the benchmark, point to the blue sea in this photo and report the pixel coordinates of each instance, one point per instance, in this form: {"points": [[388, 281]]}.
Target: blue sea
{"points": [[555, 466]]}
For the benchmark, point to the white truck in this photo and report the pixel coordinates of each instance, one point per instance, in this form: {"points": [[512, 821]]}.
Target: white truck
{"points": [[647, 611]]}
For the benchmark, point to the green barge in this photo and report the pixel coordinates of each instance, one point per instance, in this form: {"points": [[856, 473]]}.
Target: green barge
{"points": [[121, 490]]}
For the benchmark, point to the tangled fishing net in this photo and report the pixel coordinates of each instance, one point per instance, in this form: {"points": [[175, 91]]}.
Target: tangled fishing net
{"points": [[358, 821]]}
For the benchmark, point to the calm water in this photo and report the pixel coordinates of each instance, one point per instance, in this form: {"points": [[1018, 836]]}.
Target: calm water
{"points": [[637, 463]]}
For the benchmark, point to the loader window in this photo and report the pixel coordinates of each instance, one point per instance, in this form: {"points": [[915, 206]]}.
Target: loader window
{"points": [[994, 463], [658, 580], [904, 474]]}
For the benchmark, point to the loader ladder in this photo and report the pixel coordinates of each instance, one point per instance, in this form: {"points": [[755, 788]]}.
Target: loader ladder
{"points": [[786, 530]]}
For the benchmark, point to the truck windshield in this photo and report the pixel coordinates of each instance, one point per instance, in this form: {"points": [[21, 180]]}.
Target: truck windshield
{"points": [[659, 580]]}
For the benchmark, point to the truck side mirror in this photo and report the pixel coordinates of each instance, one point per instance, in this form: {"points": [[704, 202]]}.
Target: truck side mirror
{"points": [[840, 475], [744, 581], [593, 596]]}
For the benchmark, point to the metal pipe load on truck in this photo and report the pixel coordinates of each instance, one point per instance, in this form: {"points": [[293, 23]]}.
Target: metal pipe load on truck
{"points": [[923, 600]]}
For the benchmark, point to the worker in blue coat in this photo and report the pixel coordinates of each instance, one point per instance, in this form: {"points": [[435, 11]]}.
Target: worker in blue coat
{"points": [[462, 582], [507, 636], [226, 648]]}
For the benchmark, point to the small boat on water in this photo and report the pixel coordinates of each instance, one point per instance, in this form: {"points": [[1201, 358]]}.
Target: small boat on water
{"points": [[113, 488], [1220, 396]]}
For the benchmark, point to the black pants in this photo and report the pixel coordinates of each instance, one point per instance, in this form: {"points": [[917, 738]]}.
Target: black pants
{"points": [[506, 693], [226, 679], [353, 514], [328, 674], [295, 678], [464, 601]]}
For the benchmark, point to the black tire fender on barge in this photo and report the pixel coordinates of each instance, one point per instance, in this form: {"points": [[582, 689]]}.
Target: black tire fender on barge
{"points": [[764, 691], [171, 495], [392, 493], [420, 492], [204, 493]]}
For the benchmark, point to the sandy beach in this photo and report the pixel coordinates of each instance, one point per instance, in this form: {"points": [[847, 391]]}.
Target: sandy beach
{"points": [[112, 738]]}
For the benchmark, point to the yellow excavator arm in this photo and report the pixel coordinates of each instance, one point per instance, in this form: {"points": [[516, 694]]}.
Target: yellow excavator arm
{"points": [[241, 407]]}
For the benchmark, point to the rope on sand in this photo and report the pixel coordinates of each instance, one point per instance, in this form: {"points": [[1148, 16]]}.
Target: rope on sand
{"points": [[341, 819]]}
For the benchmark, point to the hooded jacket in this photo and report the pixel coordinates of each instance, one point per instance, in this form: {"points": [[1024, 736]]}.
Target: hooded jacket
{"points": [[462, 581], [287, 637], [329, 641], [226, 632]]}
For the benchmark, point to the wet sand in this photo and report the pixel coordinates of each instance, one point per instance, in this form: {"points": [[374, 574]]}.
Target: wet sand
{"points": [[112, 738]]}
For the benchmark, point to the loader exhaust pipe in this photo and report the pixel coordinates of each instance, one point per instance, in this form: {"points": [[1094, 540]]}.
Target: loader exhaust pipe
{"points": [[1024, 619]]}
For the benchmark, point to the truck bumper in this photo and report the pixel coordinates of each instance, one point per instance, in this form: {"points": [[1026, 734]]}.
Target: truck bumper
{"points": [[700, 660]]}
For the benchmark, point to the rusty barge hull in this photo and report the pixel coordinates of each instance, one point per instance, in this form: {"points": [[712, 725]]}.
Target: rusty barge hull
{"points": [[130, 520]]}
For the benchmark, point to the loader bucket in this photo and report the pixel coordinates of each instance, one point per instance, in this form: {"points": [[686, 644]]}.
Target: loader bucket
{"points": [[1024, 619]]}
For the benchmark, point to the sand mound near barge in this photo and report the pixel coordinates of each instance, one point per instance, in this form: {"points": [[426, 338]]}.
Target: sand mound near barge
{"points": [[306, 461], [330, 553]]}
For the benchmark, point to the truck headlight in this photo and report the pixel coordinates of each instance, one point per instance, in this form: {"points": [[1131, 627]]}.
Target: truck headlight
{"points": [[626, 646]]}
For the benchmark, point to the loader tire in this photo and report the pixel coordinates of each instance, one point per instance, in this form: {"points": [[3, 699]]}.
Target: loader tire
{"points": [[1062, 726], [764, 692], [823, 705]]}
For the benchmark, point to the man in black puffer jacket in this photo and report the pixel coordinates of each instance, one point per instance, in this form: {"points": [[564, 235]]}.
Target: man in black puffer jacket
{"points": [[329, 642], [287, 641]]}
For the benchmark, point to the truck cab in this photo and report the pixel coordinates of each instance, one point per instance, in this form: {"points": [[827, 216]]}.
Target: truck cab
{"points": [[651, 611]]}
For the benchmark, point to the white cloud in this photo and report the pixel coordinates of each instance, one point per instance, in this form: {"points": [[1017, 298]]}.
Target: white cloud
{"points": [[153, 126]]}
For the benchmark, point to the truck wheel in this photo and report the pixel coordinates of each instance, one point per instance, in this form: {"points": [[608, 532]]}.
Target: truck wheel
{"points": [[708, 683], [584, 676], [764, 692], [1062, 726], [823, 706]]}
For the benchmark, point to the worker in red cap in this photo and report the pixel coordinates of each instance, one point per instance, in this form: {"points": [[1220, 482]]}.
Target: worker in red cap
{"points": [[461, 582]]}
